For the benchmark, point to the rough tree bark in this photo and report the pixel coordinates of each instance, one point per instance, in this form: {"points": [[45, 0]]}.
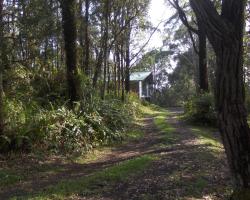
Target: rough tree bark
{"points": [[98, 68], [115, 72], [105, 47], [118, 61], [1, 68], [127, 60], [87, 43], [203, 72], [225, 33], [122, 72], [81, 32], [69, 30]]}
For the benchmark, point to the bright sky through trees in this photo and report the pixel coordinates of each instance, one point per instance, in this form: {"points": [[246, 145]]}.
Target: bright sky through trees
{"points": [[158, 12]]}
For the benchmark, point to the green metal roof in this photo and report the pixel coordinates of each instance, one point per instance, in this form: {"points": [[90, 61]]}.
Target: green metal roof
{"points": [[139, 76]]}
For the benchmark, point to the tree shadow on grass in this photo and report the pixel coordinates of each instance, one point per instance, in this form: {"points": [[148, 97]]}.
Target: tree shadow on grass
{"points": [[196, 174], [169, 163], [190, 172]]}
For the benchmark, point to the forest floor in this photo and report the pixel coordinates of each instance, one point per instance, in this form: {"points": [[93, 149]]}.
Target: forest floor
{"points": [[164, 159]]}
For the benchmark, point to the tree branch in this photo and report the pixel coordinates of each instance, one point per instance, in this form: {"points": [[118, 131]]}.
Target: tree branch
{"points": [[122, 29], [182, 15], [183, 18], [217, 29], [146, 43]]}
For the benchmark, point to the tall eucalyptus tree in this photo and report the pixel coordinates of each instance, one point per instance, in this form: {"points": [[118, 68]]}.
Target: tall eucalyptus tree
{"points": [[69, 30], [225, 33], [1, 68]]}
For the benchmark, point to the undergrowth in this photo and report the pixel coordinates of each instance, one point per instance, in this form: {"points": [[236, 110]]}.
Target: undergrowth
{"points": [[200, 109], [59, 128], [42, 119]]}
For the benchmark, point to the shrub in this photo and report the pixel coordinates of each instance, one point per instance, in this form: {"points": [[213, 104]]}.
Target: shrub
{"points": [[201, 109], [65, 130], [32, 120]]}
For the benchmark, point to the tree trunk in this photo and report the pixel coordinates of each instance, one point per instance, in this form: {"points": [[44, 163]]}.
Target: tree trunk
{"points": [[203, 73], [232, 114], [127, 67], [225, 33], [98, 68], [87, 46], [118, 61], [115, 71], [1, 68], [69, 30], [109, 77], [105, 47], [122, 73], [81, 35]]}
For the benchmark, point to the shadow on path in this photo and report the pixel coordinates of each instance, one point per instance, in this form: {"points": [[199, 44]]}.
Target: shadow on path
{"points": [[186, 169]]}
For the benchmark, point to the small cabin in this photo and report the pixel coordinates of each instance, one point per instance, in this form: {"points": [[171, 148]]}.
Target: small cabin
{"points": [[142, 83]]}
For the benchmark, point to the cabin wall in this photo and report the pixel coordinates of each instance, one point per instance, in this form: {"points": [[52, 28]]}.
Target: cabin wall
{"points": [[146, 87]]}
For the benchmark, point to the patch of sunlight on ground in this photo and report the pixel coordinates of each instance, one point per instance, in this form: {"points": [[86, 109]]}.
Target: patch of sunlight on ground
{"points": [[95, 183], [168, 131], [98, 153], [135, 134], [93, 155], [205, 137], [151, 110], [139, 121], [206, 197]]}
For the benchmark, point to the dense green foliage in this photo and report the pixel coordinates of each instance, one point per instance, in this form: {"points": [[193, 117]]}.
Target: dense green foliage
{"points": [[181, 82], [65, 130], [45, 67], [41, 119], [201, 109], [62, 129]]}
